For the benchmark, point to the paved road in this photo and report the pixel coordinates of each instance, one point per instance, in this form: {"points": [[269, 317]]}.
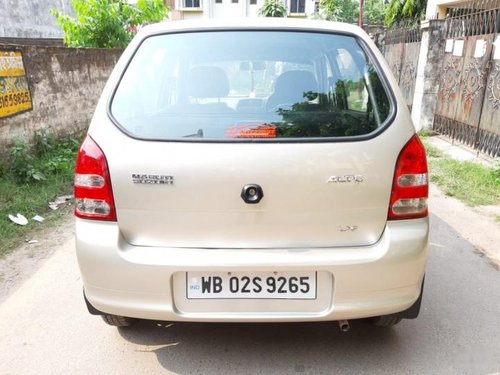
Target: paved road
{"points": [[44, 329]]}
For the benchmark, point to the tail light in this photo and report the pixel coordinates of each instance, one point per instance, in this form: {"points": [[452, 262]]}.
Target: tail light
{"points": [[93, 193], [410, 188]]}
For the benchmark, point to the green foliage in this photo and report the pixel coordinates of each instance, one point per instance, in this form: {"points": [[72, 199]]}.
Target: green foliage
{"points": [[21, 192], [46, 156], [43, 142], [62, 160], [149, 11], [21, 163], [348, 11], [3, 169], [340, 10], [405, 12], [374, 12], [273, 8], [107, 23]]}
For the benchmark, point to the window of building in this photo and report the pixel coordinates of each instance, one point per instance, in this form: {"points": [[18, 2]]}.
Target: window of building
{"points": [[297, 6], [253, 2], [191, 3]]}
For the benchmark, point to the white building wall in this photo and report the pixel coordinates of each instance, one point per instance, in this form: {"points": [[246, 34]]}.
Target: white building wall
{"points": [[310, 7], [431, 10], [438, 7], [230, 9], [253, 9]]}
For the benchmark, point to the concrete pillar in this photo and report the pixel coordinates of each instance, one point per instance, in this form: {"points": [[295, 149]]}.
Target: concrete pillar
{"points": [[428, 73]]}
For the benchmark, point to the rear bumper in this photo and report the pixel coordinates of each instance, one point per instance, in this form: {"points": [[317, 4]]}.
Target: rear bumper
{"points": [[352, 282]]}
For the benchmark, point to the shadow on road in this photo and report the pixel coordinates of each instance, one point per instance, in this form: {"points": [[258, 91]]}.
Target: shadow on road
{"points": [[264, 348]]}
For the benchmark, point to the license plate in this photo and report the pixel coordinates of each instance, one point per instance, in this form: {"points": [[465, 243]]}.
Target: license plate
{"points": [[251, 285]]}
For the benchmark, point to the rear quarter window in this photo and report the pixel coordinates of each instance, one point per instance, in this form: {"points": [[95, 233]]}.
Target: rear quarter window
{"points": [[228, 85]]}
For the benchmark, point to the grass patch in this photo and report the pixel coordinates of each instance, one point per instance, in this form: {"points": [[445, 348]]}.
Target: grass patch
{"points": [[32, 177], [432, 152], [425, 133], [472, 183]]}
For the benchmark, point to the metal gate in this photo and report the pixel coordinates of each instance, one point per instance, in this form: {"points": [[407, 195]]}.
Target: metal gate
{"points": [[468, 108], [401, 50]]}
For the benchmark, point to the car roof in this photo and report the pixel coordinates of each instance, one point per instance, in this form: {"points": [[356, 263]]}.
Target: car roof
{"points": [[253, 23]]}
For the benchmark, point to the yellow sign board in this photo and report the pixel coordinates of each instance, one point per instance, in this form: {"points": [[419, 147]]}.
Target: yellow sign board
{"points": [[15, 96]]}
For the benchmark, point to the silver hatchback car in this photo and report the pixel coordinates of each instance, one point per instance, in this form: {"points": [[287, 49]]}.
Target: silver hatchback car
{"points": [[260, 170]]}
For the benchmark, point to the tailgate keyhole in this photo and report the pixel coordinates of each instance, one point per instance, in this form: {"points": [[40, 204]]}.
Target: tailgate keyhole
{"points": [[252, 193]]}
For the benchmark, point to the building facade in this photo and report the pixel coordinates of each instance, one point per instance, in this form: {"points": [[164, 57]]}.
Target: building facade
{"points": [[192, 9]]}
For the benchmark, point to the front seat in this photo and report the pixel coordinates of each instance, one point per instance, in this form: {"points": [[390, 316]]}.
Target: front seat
{"points": [[208, 82], [290, 88]]}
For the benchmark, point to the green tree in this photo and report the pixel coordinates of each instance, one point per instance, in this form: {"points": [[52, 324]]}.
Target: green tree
{"points": [[340, 10], [374, 12], [405, 12], [273, 8], [107, 23]]}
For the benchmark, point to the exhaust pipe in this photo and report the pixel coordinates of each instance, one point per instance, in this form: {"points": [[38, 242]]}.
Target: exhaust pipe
{"points": [[344, 325]]}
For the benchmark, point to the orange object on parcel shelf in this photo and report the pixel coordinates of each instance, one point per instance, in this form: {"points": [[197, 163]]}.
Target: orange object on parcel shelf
{"points": [[251, 131]]}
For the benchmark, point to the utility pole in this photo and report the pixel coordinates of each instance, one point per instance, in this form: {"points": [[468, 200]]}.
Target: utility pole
{"points": [[360, 19]]}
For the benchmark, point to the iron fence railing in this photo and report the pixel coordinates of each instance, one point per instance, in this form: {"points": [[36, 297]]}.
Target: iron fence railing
{"points": [[473, 18], [405, 35]]}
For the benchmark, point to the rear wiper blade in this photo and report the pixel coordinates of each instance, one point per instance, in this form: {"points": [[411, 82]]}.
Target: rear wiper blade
{"points": [[198, 134]]}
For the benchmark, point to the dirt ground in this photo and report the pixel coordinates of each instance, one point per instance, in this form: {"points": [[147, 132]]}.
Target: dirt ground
{"points": [[21, 263], [478, 226]]}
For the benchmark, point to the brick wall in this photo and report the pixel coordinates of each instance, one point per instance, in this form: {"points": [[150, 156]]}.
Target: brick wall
{"points": [[65, 84]]}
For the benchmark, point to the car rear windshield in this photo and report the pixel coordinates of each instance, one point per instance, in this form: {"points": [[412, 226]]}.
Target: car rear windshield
{"points": [[236, 85]]}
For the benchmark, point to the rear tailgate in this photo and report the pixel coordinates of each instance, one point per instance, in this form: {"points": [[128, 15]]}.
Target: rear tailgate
{"points": [[315, 194]]}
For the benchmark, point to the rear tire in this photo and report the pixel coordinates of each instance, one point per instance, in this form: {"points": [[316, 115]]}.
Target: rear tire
{"points": [[118, 321], [385, 320]]}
